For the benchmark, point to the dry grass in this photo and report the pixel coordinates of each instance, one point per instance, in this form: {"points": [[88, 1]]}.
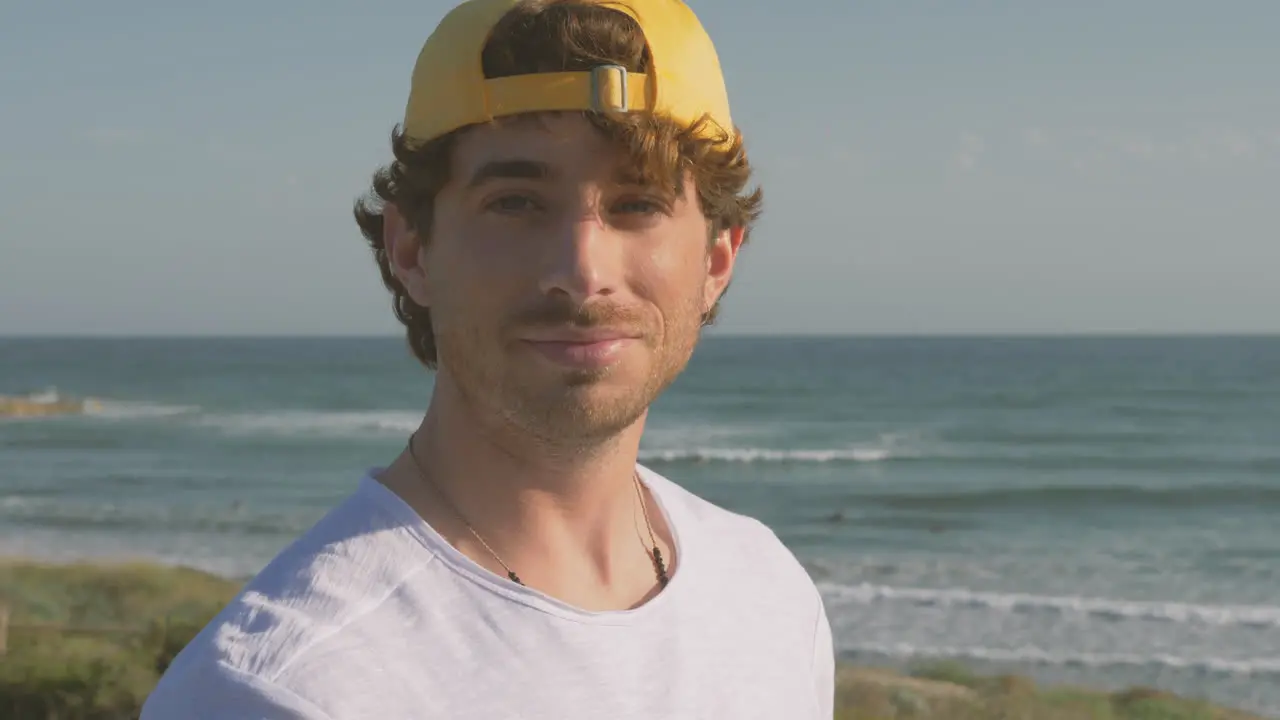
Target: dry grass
{"points": [[89, 641], [948, 691]]}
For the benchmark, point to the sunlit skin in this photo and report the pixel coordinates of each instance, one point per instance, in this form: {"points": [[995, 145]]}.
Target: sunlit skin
{"points": [[565, 298]]}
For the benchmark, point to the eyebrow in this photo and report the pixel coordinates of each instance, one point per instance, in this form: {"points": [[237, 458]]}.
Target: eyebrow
{"points": [[523, 169], [629, 176], [510, 169]]}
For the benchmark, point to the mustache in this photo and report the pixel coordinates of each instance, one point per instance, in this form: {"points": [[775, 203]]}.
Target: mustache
{"points": [[561, 312]]}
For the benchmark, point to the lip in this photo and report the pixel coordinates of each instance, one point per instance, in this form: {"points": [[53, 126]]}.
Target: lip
{"points": [[577, 336], [596, 353]]}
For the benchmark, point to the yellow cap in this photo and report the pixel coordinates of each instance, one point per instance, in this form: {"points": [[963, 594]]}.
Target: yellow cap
{"points": [[684, 81]]}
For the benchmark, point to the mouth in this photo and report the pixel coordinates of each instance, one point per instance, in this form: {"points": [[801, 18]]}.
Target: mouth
{"points": [[582, 349]]}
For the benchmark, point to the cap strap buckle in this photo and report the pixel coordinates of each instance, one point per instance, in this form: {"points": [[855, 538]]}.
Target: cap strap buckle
{"points": [[601, 89]]}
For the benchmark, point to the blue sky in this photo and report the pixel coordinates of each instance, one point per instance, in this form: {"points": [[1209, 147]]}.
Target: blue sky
{"points": [[958, 167]]}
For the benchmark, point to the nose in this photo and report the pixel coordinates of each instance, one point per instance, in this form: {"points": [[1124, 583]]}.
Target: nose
{"points": [[582, 259]]}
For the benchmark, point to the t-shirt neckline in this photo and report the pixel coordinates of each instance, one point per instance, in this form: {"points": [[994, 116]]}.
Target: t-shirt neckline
{"points": [[456, 561]]}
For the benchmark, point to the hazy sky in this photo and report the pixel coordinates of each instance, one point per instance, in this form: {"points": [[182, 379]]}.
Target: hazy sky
{"points": [[928, 167]]}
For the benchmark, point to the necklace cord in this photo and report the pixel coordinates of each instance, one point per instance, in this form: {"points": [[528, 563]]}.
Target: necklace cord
{"points": [[659, 566]]}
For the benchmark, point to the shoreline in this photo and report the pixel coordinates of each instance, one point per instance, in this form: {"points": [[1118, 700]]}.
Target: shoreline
{"points": [[116, 606]]}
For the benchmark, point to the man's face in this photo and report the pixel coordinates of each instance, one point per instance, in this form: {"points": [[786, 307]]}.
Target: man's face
{"points": [[564, 295]]}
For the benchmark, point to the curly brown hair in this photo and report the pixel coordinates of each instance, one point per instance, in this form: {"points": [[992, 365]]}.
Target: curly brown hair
{"points": [[562, 36]]}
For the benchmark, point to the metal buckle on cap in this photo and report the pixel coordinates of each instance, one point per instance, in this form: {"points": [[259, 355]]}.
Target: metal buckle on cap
{"points": [[597, 75]]}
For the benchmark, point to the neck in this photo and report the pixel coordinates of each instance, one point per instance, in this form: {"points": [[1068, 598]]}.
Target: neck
{"points": [[567, 520]]}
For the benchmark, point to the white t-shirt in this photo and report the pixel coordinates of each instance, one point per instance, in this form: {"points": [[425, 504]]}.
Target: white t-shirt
{"points": [[372, 615]]}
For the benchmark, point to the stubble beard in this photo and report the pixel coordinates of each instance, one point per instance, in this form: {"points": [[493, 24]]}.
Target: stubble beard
{"points": [[571, 413]]}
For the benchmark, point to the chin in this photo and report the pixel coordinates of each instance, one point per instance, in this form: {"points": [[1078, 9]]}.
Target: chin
{"points": [[597, 385], [584, 404], [579, 417]]}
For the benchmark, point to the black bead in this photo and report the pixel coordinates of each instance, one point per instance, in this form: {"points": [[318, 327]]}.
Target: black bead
{"points": [[659, 567], [514, 578]]}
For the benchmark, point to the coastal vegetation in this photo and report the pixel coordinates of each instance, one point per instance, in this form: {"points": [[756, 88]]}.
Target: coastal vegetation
{"points": [[86, 641]]}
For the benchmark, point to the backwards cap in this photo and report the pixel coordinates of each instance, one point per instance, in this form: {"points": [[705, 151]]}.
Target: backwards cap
{"points": [[684, 81]]}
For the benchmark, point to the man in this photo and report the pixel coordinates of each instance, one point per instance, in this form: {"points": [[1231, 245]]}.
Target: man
{"points": [[561, 218]]}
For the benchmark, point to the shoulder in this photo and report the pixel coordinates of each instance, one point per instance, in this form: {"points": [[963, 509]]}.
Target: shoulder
{"points": [[318, 588], [746, 571], [734, 540], [225, 692]]}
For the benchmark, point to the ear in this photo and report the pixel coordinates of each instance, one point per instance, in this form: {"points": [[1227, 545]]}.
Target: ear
{"points": [[721, 256], [404, 253]]}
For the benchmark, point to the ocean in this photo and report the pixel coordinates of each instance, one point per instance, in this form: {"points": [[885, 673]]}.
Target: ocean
{"points": [[1089, 510]]}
